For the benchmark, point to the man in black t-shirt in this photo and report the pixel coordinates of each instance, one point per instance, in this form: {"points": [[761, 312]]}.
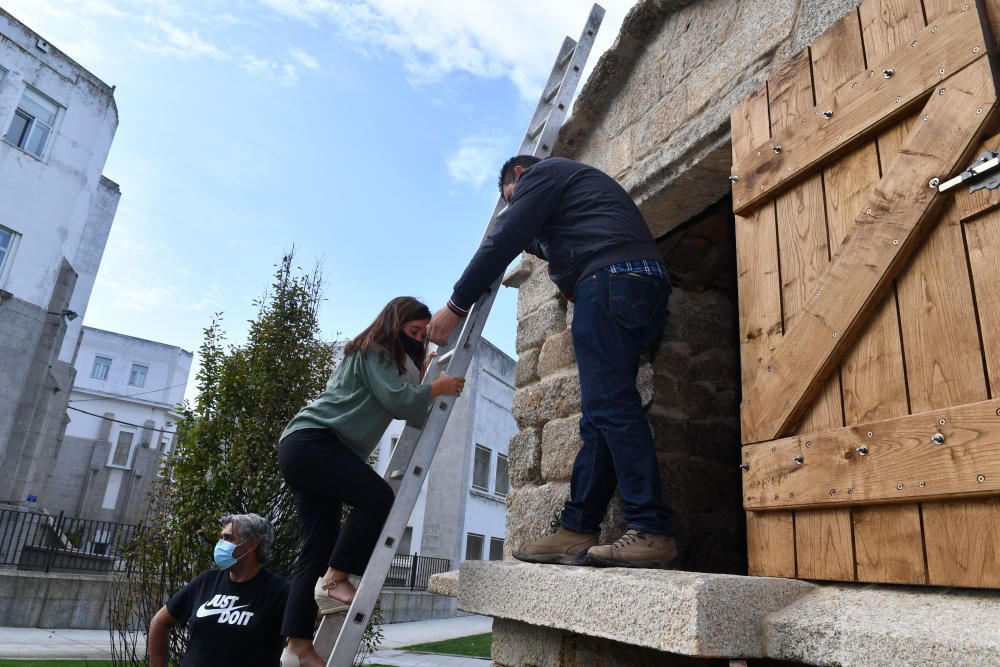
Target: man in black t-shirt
{"points": [[234, 613]]}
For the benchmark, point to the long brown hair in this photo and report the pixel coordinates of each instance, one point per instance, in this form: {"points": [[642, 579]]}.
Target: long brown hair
{"points": [[385, 330]]}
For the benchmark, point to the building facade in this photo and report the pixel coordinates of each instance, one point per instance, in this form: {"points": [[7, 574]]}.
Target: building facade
{"points": [[57, 122], [459, 514], [122, 423]]}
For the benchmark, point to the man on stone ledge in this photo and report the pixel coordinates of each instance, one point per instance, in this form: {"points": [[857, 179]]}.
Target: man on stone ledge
{"points": [[601, 256]]}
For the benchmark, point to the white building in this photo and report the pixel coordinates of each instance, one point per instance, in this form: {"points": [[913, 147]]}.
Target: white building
{"points": [[459, 514], [57, 122], [122, 420]]}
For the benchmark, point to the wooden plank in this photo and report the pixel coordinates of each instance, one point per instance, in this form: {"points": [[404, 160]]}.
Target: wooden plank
{"points": [[888, 540], [983, 239], [770, 544], [938, 319], [872, 371], [805, 254], [901, 462], [859, 108], [770, 537], [888, 545], [871, 374], [802, 238], [968, 550], [885, 232], [823, 545]]}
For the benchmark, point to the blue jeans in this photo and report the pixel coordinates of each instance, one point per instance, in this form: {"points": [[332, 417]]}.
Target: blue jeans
{"points": [[617, 317]]}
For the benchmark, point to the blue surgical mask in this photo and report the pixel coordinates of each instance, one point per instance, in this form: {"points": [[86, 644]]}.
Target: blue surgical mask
{"points": [[224, 554]]}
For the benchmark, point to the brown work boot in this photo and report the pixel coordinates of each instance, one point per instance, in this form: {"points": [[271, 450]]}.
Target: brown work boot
{"points": [[560, 545], [635, 549]]}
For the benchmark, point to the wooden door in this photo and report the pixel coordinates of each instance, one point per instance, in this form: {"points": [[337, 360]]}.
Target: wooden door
{"points": [[870, 302]]}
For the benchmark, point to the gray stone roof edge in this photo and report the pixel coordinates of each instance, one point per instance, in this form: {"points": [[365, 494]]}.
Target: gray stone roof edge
{"points": [[612, 71]]}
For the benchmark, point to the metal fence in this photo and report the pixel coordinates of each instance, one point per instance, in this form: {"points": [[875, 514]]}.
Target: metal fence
{"points": [[413, 571], [38, 541]]}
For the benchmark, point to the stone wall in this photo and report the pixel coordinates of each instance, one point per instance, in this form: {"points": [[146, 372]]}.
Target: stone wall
{"points": [[55, 600]]}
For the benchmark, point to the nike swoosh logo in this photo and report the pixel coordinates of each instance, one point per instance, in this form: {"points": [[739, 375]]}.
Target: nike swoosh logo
{"points": [[202, 612]]}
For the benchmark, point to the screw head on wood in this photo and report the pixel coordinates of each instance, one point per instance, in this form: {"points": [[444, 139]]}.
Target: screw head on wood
{"points": [[862, 450], [913, 43], [941, 91], [887, 72], [828, 114], [776, 149], [799, 459], [981, 478], [745, 467], [938, 438], [870, 434], [922, 484], [934, 182], [808, 444], [942, 421], [899, 487], [733, 179]]}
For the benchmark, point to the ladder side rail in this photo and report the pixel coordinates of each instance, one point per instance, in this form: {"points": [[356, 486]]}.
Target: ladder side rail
{"points": [[546, 140]]}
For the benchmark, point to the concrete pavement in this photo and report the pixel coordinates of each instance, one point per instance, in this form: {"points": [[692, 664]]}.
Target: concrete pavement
{"points": [[35, 643]]}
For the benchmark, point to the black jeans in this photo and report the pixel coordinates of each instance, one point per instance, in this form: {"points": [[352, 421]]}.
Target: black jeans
{"points": [[323, 473]]}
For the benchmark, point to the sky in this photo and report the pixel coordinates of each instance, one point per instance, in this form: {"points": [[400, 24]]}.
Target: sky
{"points": [[366, 134]]}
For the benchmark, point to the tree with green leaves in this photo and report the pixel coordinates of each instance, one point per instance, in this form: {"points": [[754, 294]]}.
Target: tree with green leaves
{"points": [[225, 458]]}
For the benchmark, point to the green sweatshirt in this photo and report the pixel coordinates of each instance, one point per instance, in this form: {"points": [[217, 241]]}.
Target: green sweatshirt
{"points": [[362, 396]]}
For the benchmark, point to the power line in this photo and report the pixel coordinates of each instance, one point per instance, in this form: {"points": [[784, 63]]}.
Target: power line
{"points": [[118, 421], [140, 393]]}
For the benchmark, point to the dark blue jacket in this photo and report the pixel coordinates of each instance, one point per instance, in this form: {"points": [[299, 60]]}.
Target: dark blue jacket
{"points": [[572, 215]]}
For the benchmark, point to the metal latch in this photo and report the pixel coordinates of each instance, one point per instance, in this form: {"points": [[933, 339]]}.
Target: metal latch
{"points": [[986, 164]]}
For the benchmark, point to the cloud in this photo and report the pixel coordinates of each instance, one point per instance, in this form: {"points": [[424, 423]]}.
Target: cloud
{"points": [[177, 42], [487, 38], [303, 58], [475, 160], [284, 74]]}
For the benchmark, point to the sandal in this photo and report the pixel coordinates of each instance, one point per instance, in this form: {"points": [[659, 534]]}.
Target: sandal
{"points": [[328, 605]]}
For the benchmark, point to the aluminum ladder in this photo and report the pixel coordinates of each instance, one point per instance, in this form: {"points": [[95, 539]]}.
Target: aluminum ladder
{"points": [[413, 453]]}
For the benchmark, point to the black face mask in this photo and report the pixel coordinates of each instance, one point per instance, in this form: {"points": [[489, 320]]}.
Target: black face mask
{"points": [[413, 348]]}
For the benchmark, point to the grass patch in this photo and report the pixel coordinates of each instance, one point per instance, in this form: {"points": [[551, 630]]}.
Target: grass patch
{"points": [[476, 646]]}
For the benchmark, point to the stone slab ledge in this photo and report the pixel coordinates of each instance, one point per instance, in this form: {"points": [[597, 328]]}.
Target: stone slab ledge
{"points": [[445, 583], [679, 612], [715, 615]]}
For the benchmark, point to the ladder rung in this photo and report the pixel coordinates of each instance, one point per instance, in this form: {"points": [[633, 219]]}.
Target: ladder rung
{"points": [[538, 129], [549, 96], [443, 359], [569, 56]]}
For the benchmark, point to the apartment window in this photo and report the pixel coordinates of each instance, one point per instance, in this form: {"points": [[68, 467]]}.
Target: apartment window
{"points": [[502, 485], [33, 122], [137, 378], [496, 548], [101, 367], [123, 449], [473, 546], [481, 469], [7, 238]]}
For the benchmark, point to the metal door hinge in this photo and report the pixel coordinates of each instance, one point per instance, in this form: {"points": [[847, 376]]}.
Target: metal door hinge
{"points": [[985, 171]]}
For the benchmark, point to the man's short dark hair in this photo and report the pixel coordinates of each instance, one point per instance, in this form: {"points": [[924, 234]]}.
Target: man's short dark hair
{"points": [[507, 170]]}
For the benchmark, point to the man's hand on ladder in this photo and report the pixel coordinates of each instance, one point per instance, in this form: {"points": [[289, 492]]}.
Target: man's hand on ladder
{"points": [[441, 325]]}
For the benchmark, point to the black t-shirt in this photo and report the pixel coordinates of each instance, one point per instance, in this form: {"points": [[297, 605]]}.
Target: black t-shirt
{"points": [[230, 622]]}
